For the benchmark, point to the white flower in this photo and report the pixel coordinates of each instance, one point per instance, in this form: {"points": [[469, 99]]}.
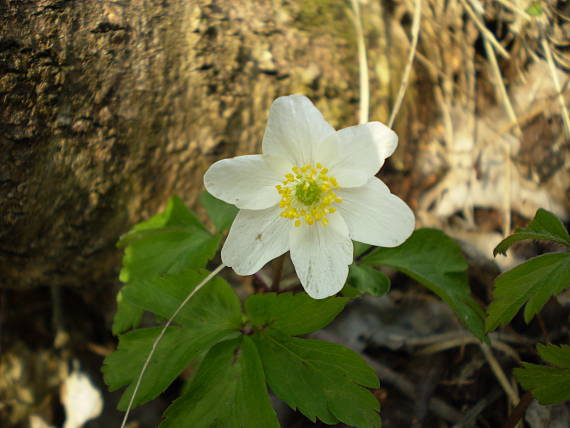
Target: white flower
{"points": [[311, 192]]}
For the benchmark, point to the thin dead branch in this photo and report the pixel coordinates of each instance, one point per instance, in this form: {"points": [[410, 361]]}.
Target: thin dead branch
{"points": [[362, 64], [406, 76]]}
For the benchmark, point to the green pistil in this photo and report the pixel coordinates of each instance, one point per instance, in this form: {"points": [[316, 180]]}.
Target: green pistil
{"points": [[308, 192]]}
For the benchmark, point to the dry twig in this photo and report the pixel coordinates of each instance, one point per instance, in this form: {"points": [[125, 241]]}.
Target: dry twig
{"points": [[362, 64], [408, 69]]}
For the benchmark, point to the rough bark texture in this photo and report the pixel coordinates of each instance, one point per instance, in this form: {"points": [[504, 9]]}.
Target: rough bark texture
{"points": [[110, 107]]}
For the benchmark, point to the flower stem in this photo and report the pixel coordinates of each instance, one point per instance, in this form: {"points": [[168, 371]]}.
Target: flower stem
{"points": [[277, 272], [159, 337]]}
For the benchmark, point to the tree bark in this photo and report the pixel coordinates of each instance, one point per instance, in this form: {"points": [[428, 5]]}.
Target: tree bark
{"points": [[110, 107]]}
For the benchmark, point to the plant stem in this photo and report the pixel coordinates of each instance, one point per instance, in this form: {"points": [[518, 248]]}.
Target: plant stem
{"points": [[277, 272], [519, 411], [159, 337]]}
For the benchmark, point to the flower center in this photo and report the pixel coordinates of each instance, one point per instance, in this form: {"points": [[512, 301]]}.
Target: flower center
{"points": [[307, 195], [308, 192]]}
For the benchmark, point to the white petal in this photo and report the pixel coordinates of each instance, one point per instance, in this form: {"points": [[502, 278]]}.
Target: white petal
{"points": [[256, 236], [294, 128], [247, 182], [321, 255], [386, 140], [353, 155], [375, 216]]}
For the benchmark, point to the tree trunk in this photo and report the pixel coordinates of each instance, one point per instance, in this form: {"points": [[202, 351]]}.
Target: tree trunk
{"points": [[110, 107]]}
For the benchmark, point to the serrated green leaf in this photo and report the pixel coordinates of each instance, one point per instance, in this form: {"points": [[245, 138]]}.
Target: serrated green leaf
{"points": [[533, 283], [221, 213], [176, 214], [433, 259], [293, 314], [216, 304], [170, 241], [322, 380], [167, 250], [544, 226], [178, 347], [549, 385], [213, 314], [128, 316], [164, 251], [555, 355], [228, 391], [366, 279]]}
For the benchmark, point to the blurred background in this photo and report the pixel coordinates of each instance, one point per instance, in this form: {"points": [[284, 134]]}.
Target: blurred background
{"points": [[107, 108]]}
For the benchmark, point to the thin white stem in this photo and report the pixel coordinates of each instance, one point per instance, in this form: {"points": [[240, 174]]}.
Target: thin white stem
{"points": [[500, 375], [362, 65], [487, 35], [159, 337], [408, 69]]}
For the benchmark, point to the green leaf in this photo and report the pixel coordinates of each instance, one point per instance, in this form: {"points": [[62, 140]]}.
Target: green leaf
{"points": [[178, 347], [322, 380], [366, 279], [533, 283], [167, 250], [433, 259], [127, 316], [549, 385], [228, 391], [213, 314], [216, 304], [160, 252], [293, 314], [360, 248], [555, 355], [176, 214], [544, 226], [170, 241], [221, 213]]}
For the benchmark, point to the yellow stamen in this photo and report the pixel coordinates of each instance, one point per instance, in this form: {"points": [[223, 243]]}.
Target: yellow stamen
{"points": [[307, 195]]}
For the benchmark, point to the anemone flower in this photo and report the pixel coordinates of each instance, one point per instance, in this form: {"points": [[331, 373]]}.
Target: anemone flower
{"points": [[311, 192]]}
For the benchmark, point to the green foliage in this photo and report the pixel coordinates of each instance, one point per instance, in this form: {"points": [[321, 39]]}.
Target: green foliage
{"points": [[167, 250], [178, 347], [360, 248], [365, 279], [228, 391], [320, 379], [127, 316], [221, 213], [212, 315], [240, 353], [292, 314], [533, 283], [169, 242], [549, 385], [214, 305], [544, 226], [433, 259]]}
